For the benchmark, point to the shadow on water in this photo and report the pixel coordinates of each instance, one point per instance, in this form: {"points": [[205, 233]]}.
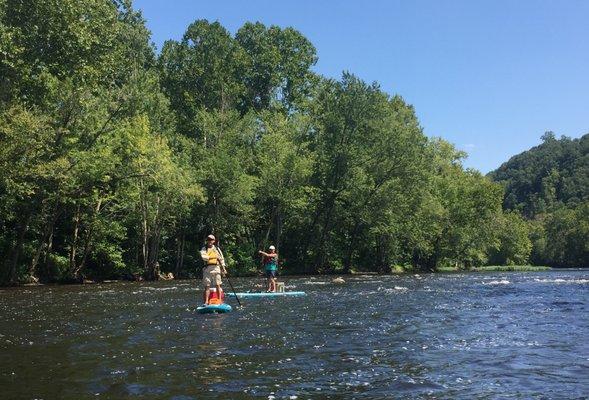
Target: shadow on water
{"points": [[491, 335]]}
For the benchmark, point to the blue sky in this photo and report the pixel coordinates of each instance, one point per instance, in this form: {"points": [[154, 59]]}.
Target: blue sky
{"points": [[489, 76]]}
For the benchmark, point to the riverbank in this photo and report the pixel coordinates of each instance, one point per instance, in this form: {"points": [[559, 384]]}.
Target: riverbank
{"points": [[397, 270], [498, 268]]}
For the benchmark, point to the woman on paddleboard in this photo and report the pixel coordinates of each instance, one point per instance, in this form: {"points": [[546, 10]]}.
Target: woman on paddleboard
{"points": [[214, 268], [270, 261]]}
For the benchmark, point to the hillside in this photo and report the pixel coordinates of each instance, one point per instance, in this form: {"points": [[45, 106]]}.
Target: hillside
{"points": [[549, 186], [546, 177]]}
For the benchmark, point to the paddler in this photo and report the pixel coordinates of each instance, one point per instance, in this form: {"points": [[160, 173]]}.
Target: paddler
{"points": [[214, 268], [270, 261]]}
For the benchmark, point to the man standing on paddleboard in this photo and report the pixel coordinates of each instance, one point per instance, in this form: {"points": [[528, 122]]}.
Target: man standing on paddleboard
{"points": [[270, 262], [214, 268]]}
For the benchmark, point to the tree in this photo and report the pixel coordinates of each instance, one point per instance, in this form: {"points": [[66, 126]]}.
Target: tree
{"points": [[567, 230], [201, 73], [283, 163], [276, 66], [458, 215], [369, 163], [515, 245]]}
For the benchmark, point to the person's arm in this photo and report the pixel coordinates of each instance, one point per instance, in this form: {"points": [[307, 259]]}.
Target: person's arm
{"points": [[222, 260], [264, 254], [204, 255]]}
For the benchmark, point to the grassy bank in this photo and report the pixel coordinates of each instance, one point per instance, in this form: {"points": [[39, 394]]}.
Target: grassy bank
{"points": [[491, 268], [498, 268]]}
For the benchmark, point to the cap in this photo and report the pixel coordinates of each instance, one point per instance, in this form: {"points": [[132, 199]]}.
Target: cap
{"points": [[211, 237], [272, 248]]}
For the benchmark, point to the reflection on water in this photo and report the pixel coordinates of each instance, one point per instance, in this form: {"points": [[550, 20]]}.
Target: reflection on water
{"points": [[493, 335]]}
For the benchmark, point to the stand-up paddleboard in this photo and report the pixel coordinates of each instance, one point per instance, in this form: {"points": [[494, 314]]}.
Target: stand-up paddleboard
{"points": [[214, 308], [265, 294]]}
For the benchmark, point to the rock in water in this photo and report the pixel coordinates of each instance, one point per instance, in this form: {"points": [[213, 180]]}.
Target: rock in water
{"points": [[339, 279]]}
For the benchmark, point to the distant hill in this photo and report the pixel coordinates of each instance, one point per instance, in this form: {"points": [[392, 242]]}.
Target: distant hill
{"points": [[546, 177]]}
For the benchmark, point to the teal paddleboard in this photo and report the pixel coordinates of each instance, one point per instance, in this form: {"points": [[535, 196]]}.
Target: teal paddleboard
{"points": [[266, 294], [214, 308]]}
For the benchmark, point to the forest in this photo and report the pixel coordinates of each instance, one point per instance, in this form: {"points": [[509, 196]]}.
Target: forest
{"points": [[116, 160], [548, 186]]}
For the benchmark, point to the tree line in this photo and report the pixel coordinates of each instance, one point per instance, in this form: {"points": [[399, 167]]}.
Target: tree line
{"points": [[116, 161], [548, 186]]}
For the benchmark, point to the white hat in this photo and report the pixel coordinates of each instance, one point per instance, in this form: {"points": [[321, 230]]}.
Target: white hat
{"points": [[211, 237], [272, 248]]}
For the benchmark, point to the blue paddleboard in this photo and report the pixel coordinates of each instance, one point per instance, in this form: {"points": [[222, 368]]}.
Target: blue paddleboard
{"points": [[266, 294], [214, 308]]}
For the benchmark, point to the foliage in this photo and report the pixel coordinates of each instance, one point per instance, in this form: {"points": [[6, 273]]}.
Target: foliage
{"points": [[514, 245], [116, 163], [549, 185], [546, 177]]}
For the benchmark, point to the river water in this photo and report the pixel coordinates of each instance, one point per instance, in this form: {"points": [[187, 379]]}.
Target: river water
{"points": [[438, 336]]}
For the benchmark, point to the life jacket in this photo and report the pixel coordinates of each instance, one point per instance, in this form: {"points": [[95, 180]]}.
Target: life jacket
{"points": [[213, 256], [270, 261]]}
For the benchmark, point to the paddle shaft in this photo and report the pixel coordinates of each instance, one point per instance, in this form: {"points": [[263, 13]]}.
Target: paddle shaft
{"points": [[234, 293], [230, 284]]}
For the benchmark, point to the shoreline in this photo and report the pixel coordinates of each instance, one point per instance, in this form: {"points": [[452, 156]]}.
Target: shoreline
{"points": [[493, 268]]}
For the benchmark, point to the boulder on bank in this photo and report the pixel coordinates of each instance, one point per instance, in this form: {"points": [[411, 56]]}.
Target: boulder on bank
{"points": [[31, 280], [166, 277]]}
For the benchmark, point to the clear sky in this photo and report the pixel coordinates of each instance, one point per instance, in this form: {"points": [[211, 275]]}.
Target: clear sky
{"points": [[490, 76]]}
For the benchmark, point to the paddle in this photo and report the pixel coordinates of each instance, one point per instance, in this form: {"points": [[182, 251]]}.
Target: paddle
{"points": [[234, 293], [230, 284]]}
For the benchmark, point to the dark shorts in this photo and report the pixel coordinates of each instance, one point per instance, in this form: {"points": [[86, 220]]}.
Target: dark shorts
{"points": [[270, 274]]}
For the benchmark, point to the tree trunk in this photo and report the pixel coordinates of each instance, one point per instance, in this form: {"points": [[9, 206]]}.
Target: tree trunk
{"points": [[152, 247], [51, 219], [180, 255], [14, 255], [278, 227], [351, 248], [43, 243], [73, 249], [47, 259], [144, 228], [381, 254], [88, 243], [33, 265], [321, 254]]}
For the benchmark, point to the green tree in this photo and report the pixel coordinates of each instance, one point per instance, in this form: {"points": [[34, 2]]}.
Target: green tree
{"points": [[515, 245], [283, 163], [368, 166], [567, 230], [276, 66], [201, 73], [458, 215]]}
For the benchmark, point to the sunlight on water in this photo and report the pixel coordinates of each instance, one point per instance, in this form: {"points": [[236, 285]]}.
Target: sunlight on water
{"points": [[453, 336]]}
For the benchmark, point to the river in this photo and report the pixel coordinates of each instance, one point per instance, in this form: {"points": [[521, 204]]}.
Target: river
{"points": [[434, 336]]}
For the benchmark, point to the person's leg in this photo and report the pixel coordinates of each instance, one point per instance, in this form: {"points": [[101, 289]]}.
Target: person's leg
{"points": [[206, 281], [206, 294], [268, 281], [218, 286], [270, 275]]}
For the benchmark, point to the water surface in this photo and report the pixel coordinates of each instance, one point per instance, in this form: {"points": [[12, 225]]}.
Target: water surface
{"points": [[440, 336]]}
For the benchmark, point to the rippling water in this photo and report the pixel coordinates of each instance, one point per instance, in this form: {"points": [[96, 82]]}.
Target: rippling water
{"points": [[450, 336]]}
